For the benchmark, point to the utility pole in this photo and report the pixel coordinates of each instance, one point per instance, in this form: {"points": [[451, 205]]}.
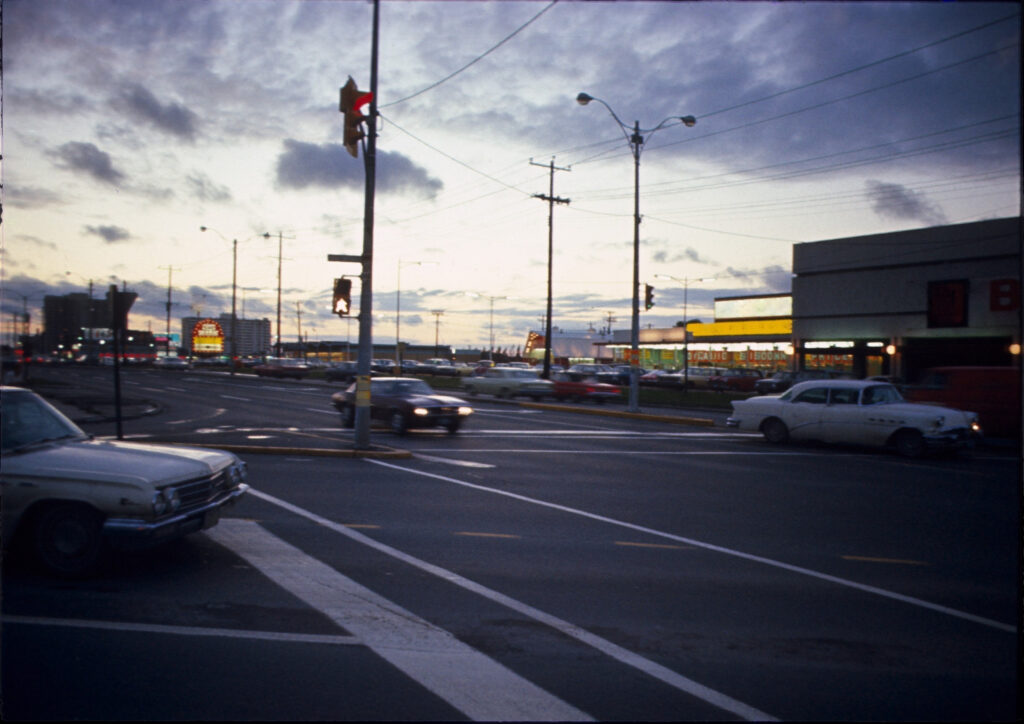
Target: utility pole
{"points": [[298, 318], [552, 200], [437, 329]]}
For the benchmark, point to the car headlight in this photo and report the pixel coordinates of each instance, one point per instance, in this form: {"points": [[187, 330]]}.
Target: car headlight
{"points": [[465, 410], [172, 498], [237, 472], [420, 411], [160, 504]]}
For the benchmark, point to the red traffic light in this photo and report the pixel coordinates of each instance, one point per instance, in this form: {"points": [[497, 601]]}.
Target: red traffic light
{"points": [[351, 103]]}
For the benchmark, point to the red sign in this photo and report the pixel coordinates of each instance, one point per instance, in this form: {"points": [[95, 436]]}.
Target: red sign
{"points": [[207, 337]]}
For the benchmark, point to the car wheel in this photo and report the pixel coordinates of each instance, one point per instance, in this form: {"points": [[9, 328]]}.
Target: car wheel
{"points": [[909, 443], [775, 431], [453, 427], [399, 424], [66, 539], [348, 417]]}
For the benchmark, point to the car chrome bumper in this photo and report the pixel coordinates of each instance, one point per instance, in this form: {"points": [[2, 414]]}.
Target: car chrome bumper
{"points": [[135, 533], [732, 422], [952, 439]]}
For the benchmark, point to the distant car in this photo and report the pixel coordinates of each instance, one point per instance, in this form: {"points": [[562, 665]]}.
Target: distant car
{"points": [[384, 366], [584, 371], [781, 381], [619, 375], [566, 388], [171, 363], [438, 366], [859, 412], [404, 403], [651, 378], [67, 495], [282, 367], [509, 382], [342, 372], [736, 380]]}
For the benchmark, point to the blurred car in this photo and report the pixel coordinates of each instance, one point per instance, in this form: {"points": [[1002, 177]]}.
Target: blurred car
{"points": [[67, 496], [404, 403], [438, 366], [342, 371], [992, 392], [781, 381], [384, 366], [619, 375], [651, 378], [859, 412], [587, 370], [171, 363], [736, 380], [565, 388], [509, 382], [282, 367]]}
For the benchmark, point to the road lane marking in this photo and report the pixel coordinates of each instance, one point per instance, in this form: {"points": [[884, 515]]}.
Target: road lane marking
{"points": [[449, 461], [473, 683], [186, 630], [669, 546], [240, 399], [623, 655], [898, 561], [921, 603], [486, 535]]}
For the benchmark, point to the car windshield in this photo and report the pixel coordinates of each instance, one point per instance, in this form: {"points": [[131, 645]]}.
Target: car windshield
{"points": [[402, 387], [26, 420]]}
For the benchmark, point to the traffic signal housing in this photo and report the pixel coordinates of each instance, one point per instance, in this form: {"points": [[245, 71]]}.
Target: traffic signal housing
{"points": [[342, 297], [648, 296], [352, 101]]}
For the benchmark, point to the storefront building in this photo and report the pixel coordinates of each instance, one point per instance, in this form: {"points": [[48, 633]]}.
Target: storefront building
{"points": [[898, 303]]}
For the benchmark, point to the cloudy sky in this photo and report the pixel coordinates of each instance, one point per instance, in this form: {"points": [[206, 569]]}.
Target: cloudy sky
{"points": [[128, 124]]}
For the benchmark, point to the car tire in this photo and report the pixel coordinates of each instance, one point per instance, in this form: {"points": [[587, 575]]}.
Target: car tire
{"points": [[775, 431], [67, 539], [453, 427], [399, 423], [909, 443], [348, 417]]}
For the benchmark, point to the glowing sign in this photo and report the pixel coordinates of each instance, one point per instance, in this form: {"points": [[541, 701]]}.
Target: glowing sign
{"points": [[207, 337]]}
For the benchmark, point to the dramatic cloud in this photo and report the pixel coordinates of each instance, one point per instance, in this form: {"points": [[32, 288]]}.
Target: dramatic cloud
{"points": [[895, 201], [109, 234], [139, 103], [86, 157], [303, 165]]}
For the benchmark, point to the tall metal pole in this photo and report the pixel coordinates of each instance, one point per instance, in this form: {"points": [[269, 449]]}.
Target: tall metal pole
{"points": [[362, 416], [234, 295], [634, 336], [278, 349]]}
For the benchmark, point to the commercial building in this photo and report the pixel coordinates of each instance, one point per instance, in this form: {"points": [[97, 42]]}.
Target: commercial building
{"points": [[253, 336], [901, 302]]}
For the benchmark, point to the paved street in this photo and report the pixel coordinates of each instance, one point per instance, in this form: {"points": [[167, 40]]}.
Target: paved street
{"points": [[542, 565]]}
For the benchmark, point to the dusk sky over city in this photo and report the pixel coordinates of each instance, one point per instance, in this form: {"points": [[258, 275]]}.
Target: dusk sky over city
{"points": [[130, 124]]}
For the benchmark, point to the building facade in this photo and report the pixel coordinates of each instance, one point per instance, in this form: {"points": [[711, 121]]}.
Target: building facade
{"points": [[901, 302], [253, 337]]}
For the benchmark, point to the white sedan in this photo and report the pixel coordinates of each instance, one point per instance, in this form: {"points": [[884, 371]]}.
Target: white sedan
{"points": [[860, 412]]}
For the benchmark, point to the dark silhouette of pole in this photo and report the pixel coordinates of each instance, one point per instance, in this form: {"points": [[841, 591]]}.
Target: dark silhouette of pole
{"points": [[552, 200]]}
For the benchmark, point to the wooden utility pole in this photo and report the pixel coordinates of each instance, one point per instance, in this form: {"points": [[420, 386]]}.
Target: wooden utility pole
{"points": [[552, 200]]}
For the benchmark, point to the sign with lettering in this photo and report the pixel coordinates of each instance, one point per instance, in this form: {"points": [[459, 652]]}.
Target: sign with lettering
{"points": [[207, 337]]}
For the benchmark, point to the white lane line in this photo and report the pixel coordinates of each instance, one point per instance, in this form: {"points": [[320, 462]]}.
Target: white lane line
{"points": [[449, 461], [999, 625], [655, 670], [185, 630], [232, 397], [476, 685]]}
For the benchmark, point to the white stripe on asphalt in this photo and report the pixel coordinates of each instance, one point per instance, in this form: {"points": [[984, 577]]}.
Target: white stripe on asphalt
{"points": [[476, 685], [655, 670]]}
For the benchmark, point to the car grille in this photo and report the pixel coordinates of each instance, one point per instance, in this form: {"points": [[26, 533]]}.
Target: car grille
{"points": [[196, 493], [446, 410]]}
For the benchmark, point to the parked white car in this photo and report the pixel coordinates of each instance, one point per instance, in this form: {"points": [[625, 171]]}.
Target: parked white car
{"points": [[509, 382], [860, 412], [66, 495]]}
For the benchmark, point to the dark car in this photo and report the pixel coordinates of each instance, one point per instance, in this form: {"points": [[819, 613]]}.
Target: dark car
{"points": [[619, 375], [282, 367], [342, 372], [779, 382], [404, 403], [736, 380]]}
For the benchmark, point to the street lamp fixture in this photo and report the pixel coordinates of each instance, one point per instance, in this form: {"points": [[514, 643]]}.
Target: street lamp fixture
{"points": [[234, 296], [636, 143], [686, 333]]}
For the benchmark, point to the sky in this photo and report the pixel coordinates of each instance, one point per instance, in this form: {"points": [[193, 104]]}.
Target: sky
{"points": [[130, 124]]}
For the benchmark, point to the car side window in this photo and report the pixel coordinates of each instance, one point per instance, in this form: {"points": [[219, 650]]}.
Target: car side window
{"points": [[843, 396], [815, 396]]}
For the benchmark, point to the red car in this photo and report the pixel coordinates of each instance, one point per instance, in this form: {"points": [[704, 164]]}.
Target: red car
{"points": [[737, 380], [582, 390]]}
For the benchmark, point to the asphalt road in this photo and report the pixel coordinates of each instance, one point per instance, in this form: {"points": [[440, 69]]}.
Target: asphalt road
{"points": [[541, 564]]}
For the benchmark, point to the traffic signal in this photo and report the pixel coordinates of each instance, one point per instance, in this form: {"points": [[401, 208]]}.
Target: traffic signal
{"points": [[648, 296], [352, 100], [342, 296]]}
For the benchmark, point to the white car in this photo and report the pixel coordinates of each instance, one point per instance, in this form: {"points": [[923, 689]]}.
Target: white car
{"points": [[860, 412], [66, 496], [509, 382]]}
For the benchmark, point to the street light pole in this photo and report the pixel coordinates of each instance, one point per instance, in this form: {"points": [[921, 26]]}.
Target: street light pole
{"points": [[686, 321], [398, 304], [636, 142]]}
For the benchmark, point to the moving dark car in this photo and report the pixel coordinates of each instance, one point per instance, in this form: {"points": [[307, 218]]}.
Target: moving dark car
{"points": [[404, 403]]}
